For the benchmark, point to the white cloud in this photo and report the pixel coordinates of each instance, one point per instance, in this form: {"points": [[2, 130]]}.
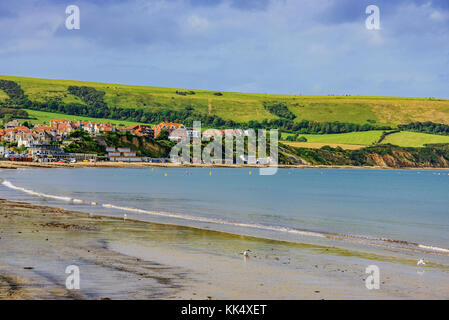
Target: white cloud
{"points": [[197, 24], [286, 46], [439, 16]]}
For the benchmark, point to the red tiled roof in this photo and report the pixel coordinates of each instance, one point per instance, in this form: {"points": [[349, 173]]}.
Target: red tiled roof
{"points": [[42, 128], [169, 125]]}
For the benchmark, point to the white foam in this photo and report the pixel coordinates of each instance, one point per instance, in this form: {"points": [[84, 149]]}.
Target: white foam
{"points": [[224, 222], [39, 194], [167, 214], [216, 221], [433, 248]]}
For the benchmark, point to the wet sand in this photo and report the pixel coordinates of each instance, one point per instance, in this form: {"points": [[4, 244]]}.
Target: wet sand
{"points": [[125, 259]]}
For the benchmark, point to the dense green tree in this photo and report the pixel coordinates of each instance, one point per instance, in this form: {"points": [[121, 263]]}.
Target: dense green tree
{"points": [[280, 109], [426, 127], [163, 135]]}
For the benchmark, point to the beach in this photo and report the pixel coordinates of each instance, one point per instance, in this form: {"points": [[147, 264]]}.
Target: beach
{"points": [[112, 164], [180, 233], [126, 259]]}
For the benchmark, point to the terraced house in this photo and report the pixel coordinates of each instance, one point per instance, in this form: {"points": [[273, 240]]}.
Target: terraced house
{"points": [[34, 138]]}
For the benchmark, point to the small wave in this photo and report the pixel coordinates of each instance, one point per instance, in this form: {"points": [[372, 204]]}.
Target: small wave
{"points": [[434, 248], [40, 194], [216, 221], [335, 236], [391, 243], [167, 214]]}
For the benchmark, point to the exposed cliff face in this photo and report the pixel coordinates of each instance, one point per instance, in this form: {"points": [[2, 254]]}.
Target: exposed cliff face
{"points": [[397, 160], [377, 160], [143, 146], [390, 156]]}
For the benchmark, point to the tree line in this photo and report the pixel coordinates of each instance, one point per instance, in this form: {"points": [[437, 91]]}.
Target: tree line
{"points": [[426, 127], [10, 113]]}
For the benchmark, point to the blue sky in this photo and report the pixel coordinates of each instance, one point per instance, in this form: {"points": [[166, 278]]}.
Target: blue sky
{"points": [[265, 46]]}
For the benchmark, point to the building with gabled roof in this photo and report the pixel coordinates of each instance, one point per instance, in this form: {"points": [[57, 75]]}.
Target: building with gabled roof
{"points": [[169, 126]]}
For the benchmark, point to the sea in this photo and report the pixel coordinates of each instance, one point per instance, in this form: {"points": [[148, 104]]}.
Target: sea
{"points": [[403, 209]]}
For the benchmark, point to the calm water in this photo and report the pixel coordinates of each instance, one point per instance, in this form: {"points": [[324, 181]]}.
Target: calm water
{"points": [[404, 205]]}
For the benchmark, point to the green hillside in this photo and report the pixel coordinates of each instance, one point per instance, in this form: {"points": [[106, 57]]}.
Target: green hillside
{"points": [[350, 122], [43, 117], [352, 140], [357, 138], [414, 139], [243, 107]]}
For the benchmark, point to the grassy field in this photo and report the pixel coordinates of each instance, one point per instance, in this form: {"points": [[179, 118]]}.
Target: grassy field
{"points": [[353, 138], [414, 139], [356, 140], [243, 107], [45, 117], [319, 145]]}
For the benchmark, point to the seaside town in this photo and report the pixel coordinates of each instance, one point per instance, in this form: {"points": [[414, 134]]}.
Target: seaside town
{"points": [[48, 143], [52, 143]]}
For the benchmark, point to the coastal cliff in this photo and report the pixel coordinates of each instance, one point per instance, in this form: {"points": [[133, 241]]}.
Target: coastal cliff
{"points": [[389, 156]]}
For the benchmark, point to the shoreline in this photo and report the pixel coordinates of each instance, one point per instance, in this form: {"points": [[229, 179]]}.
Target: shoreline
{"points": [[106, 164], [123, 259], [329, 237]]}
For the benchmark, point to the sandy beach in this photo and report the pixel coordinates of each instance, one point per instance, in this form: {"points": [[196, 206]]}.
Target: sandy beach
{"points": [[121, 259], [108, 164]]}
